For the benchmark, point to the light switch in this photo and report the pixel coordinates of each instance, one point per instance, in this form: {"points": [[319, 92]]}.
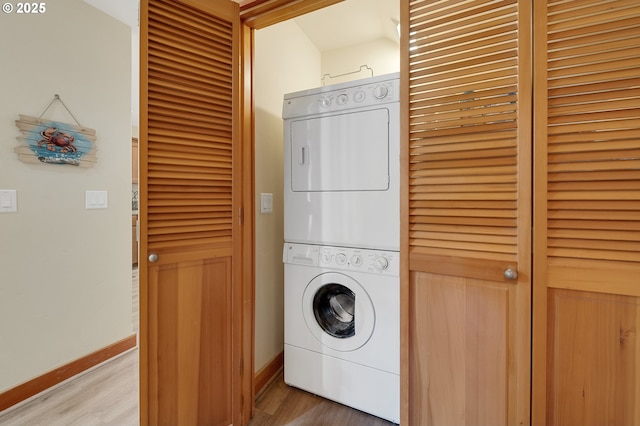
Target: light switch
{"points": [[266, 203], [96, 199], [8, 201]]}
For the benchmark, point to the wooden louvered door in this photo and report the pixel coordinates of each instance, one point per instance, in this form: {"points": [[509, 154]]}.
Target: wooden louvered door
{"points": [[190, 270], [467, 197], [587, 213]]}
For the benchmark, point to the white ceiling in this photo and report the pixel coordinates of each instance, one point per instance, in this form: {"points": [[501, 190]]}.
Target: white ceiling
{"points": [[351, 22], [123, 10], [344, 24]]}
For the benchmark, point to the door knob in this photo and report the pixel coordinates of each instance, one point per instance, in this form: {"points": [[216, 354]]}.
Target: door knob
{"points": [[510, 274], [153, 257]]}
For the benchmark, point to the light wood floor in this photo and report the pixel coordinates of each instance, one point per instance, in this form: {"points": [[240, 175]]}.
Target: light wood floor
{"points": [[108, 395], [282, 405]]}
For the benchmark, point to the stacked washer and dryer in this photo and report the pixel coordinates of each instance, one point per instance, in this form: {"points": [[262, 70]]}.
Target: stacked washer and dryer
{"points": [[342, 239]]}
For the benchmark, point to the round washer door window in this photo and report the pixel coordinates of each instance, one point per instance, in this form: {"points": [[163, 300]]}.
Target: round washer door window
{"points": [[338, 311]]}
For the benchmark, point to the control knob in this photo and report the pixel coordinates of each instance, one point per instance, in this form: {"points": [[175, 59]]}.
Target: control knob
{"points": [[326, 257], [341, 258], [380, 92], [381, 263]]}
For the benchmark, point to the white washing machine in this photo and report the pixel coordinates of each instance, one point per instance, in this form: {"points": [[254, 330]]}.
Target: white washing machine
{"points": [[342, 164], [342, 325]]}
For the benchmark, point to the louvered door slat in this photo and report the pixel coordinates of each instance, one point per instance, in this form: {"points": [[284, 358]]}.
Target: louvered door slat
{"points": [[592, 224], [180, 109], [215, 96], [192, 33], [602, 171], [191, 147], [607, 53], [186, 139], [200, 24], [500, 39], [592, 35], [172, 89]]}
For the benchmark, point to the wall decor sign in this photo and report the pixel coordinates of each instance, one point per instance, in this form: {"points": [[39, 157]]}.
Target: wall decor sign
{"points": [[53, 142]]}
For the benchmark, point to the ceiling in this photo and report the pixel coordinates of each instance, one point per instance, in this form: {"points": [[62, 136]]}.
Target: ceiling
{"points": [[344, 24], [123, 10], [351, 22]]}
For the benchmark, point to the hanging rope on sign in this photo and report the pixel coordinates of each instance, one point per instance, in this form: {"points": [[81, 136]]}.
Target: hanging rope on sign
{"points": [[56, 97]]}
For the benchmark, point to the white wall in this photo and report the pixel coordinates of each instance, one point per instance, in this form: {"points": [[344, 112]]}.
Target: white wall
{"points": [[285, 61], [65, 272]]}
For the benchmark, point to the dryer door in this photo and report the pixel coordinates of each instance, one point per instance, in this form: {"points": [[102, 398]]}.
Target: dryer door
{"points": [[338, 311], [342, 152]]}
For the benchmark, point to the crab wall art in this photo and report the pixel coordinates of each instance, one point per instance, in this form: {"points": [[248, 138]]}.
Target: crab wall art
{"points": [[44, 141], [55, 139]]}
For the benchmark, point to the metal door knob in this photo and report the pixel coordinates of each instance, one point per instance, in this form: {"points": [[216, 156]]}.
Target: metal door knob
{"points": [[153, 257], [510, 274]]}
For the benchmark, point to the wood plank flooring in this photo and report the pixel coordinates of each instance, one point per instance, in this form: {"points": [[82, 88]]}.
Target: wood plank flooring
{"points": [[283, 405], [108, 395]]}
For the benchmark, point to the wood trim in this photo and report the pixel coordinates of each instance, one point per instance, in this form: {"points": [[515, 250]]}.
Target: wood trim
{"points": [[134, 160], [521, 403], [405, 276], [540, 272], [54, 377], [248, 229], [594, 276], [197, 252], [143, 266], [481, 269], [241, 383], [267, 373], [261, 14]]}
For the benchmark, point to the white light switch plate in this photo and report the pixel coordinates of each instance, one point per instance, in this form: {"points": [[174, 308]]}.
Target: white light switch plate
{"points": [[266, 203], [96, 200], [8, 201]]}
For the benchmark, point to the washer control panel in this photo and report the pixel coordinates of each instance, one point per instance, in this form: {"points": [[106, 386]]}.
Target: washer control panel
{"points": [[343, 258], [338, 97]]}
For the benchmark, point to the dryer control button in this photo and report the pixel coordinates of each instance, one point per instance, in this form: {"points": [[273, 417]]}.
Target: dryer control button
{"points": [[359, 96], [380, 92], [325, 102], [326, 257], [381, 263], [341, 258], [356, 260], [342, 99]]}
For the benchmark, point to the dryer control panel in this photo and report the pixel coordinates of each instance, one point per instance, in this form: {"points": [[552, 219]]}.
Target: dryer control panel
{"points": [[343, 258], [339, 97]]}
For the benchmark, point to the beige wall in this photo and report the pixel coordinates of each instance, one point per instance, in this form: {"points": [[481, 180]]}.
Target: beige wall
{"points": [[65, 272], [382, 56], [286, 61]]}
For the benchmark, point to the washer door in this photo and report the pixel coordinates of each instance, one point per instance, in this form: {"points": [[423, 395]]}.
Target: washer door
{"points": [[338, 311]]}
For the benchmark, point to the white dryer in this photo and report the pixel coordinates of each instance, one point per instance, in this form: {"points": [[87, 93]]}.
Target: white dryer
{"points": [[342, 164], [342, 326]]}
